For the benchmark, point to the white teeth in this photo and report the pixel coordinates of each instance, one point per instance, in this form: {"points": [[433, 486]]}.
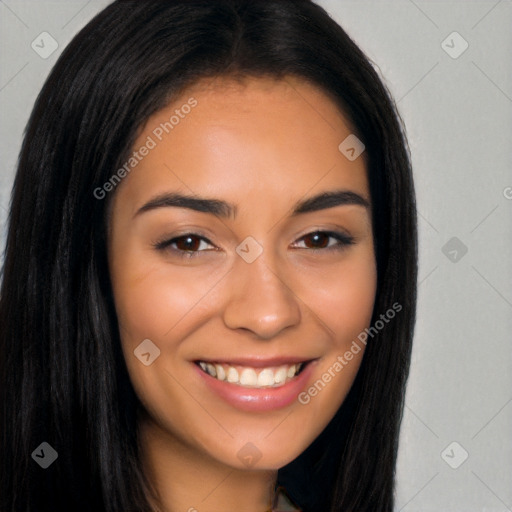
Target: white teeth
{"points": [[280, 375], [232, 375], [211, 370], [221, 374], [248, 377], [266, 378], [252, 377]]}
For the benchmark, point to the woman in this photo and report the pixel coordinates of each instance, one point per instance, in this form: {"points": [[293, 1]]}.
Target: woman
{"points": [[177, 333]]}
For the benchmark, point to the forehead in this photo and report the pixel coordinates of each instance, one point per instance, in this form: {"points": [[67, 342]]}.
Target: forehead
{"points": [[277, 139]]}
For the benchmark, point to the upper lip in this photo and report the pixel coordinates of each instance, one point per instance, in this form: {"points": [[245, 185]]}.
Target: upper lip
{"points": [[258, 362]]}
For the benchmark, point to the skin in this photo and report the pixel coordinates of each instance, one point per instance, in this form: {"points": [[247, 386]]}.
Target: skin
{"points": [[262, 145]]}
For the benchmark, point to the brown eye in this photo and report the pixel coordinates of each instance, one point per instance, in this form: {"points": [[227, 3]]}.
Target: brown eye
{"points": [[187, 243], [316, 240], [325, 240]]}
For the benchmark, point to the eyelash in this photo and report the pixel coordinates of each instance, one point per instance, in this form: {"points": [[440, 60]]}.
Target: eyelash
{"points": [[343, 239]]}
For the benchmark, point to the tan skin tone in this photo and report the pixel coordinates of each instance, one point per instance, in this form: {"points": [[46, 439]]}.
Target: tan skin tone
{"points": [[261, 145]]}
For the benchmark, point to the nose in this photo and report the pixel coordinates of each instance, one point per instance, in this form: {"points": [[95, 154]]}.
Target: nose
{"points": [[260, 300]]}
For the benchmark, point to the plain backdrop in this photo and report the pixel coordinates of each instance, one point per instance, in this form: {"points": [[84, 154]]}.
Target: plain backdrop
{"points": [[448, 65]]}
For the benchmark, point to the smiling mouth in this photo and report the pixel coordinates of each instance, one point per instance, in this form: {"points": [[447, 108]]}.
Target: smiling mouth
{"points": [[248, 377]]}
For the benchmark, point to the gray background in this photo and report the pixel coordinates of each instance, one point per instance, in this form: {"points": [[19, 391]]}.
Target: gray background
{"points": [[458, 117]]}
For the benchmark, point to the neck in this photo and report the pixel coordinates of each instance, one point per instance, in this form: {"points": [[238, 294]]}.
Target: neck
{"points": [[186, 479]]}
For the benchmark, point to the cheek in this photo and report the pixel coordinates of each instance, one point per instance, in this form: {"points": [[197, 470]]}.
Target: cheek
{"points": [[343, 300], [165, 304], [354, 301], [343, 297], [153, 298], [157, 302]]}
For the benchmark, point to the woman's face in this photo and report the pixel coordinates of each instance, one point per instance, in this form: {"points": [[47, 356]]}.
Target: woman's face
{"points": [[228, 256]]}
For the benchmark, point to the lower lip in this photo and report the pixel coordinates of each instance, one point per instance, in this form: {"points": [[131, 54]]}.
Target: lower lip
{"points": [[258, 399]]}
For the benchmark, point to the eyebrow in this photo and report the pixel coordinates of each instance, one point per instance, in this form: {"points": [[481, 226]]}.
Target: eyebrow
{"points": [[224, 209]]}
